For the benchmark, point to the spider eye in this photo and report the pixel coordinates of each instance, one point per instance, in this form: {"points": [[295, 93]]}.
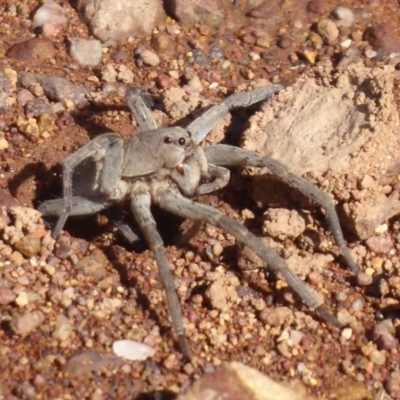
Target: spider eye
{"points": [[167, 140], [181, 141]]}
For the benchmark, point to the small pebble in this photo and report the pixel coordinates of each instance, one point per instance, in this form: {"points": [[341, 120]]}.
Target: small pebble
{"points": [[225, 64], [216, 53], [163, 43], [346, 43], [344, 16], [340, 296], [22, 299], [364, 279], [285, 43], [26, 323], [3, 144], [295, 337], [310, 56], [357, 305], [124, 74], [346, 333], [383, 287], [28, 246], [86, 51], [379, 244], [392, 385], [87, 361], [370, 271], [264, 41], [132, 350], [149, 58], [6, 295], [377, 357], [26, 390], [254, 56], [195, 83], [23, 96], [169, 362], [382, 228], [163, 81], [316, 7], [369, 53], [63, 329], [174, 74], [217, 249], [383, 37], [377, 264], [200, 58], [39, 380], [383, 337], [50, 11], [32, 49], [328, 30]]}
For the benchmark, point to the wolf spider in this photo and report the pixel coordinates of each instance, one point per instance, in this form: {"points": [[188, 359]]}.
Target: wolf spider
{"points": [[168, 167]]}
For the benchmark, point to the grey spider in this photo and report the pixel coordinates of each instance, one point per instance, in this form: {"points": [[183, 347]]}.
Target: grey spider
{"points": [[168, 167]]}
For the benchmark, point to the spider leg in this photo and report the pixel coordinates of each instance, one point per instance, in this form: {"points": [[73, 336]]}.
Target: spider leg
{"points": [[225, 155], [86, 206], [220, 176], [140, 110], [79, 206], [174, 202], [115, 215], [189, 173], [202, 125], [140, 204], [107, 151]]}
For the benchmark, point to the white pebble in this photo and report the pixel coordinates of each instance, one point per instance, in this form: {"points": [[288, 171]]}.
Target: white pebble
{"points": [[254, 56], [301, 367], [382, 228], [225, 64], [344, 15], [295, 338], [49, 12], [132, 350], [346, 43], [357, 305], [22, 299], [86, 51], [346, 333], [369, 53]]}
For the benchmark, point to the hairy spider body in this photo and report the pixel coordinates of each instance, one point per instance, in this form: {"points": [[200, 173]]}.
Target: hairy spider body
{"points": [[168, 167]]}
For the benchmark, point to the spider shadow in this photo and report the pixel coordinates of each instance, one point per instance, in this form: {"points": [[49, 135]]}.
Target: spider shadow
{"points": [[163, 395], [87, 118], [131, 283], [29, 171]]}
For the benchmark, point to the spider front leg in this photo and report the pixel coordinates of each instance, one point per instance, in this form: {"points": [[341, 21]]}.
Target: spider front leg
{"points": [[190, 173], [225, 155], [107, 152], [140, 110], [202, 125]]}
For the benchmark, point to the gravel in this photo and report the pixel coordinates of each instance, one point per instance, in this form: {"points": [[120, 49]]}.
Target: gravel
{"points": [[65, 303]]}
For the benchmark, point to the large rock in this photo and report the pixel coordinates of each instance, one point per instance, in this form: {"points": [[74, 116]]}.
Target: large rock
{"points": [[341, 129], [115, 20], [206, 12], [236, 381]]}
